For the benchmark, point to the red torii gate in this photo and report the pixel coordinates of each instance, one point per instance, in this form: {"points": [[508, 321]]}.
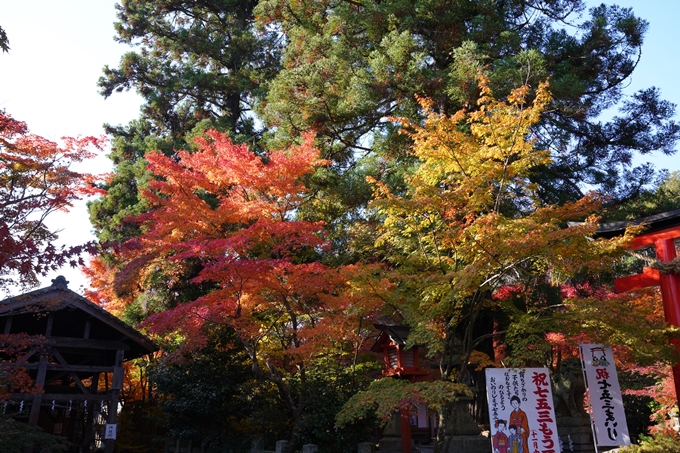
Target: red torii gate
{"points": [[661, 232]]}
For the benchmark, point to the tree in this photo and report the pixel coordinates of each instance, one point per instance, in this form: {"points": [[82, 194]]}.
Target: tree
{"points": [[350, 64], [198, 65], [198, 60], [4, 41], [231, 215], [339, 68], [345, 68], [469, 223], [212, 395], [663, 197], [36, 179]]}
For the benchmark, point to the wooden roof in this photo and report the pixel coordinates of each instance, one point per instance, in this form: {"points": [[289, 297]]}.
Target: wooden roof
{"points": [[653, 224], [398, 334], [76, 320]]}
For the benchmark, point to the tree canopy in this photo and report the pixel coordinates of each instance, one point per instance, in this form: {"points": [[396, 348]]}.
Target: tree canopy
{"points": [[301, 169], [470, 225], [230, 214], [4, 41], [341, 68], [37, 178], [348, 65]]}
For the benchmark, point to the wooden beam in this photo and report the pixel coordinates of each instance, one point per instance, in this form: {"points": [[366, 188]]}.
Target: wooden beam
{"points": [[647, 239], [62, 396], [648, 277], [81, 343], [73, 375], [65, 368], [28, 355]]}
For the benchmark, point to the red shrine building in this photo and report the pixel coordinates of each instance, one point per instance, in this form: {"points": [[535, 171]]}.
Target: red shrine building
{"points": [[401, 362]]}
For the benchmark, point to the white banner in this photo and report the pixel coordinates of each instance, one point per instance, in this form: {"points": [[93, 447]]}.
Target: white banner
{"points": [[609, 418], [521, 410]]}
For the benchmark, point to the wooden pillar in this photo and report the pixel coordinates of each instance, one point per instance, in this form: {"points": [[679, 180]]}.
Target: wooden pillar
{"points": [[40, 378], [8, 325], [37, 398], [116, 387], [86, 330], [405, 428], [89, 419]]}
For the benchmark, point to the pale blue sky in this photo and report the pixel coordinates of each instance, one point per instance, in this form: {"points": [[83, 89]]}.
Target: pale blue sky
{"points": [[49, 79], [59, 48]]}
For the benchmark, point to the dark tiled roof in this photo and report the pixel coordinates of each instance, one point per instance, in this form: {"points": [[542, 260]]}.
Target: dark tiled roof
{"points": [[653, 223], [58, 296]]}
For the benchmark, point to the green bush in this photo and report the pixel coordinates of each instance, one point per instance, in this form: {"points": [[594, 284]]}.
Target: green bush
{"points": [[662, 443], [15, 436]]}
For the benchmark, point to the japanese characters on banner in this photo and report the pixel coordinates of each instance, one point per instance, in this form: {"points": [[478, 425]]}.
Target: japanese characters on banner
{"points": [[607, 411], [521, 411]]}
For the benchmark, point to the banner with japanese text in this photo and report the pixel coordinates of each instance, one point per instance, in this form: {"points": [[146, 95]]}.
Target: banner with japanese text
{"points": [[608, 415], [521, 410]]}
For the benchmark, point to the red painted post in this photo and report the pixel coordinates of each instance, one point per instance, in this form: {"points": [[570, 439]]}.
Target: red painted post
{"points": [[405, 425], [670, 294]]}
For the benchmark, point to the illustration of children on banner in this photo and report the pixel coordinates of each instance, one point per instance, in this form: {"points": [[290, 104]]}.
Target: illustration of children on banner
{"points": [[521, 411], [516, 440], [518, 419], [500, 439]]}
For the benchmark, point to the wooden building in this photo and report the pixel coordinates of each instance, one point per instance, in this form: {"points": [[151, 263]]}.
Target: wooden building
{"points": [[74, 352], [410, 425], [400, 361]]}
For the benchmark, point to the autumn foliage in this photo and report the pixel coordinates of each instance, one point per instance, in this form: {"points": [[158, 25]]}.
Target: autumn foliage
{"points": [[16, 379], [232, 214], [37, 178], [467, 238], [471, 222], [470, 225]]}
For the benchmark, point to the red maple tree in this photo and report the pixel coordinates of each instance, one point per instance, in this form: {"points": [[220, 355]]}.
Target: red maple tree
{"points": [[37, 178], [235, 213]]}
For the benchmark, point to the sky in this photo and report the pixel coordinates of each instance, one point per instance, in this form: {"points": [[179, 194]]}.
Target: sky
{"points": [[58, 49], [49, 80]]}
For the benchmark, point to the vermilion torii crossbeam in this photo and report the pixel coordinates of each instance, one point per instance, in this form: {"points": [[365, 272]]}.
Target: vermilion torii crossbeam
{"points": [[663, 230]]}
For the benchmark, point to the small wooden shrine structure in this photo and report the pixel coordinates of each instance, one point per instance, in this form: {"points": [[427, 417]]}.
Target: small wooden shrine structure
{"points": [[661, 232], [403, 363], [74, 353], [399, 361]]}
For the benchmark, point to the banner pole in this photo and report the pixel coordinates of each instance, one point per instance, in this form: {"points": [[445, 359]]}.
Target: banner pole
{"points": [[590, 401]]}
